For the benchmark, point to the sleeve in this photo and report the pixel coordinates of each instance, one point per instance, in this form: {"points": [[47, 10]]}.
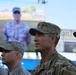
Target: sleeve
{"points": [[28, 38], [4, 34], [65, 70], [68, 70]]}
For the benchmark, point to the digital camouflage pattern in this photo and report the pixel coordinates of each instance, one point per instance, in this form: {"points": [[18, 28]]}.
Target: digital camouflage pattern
{"points": [[19, 70], [56, 65], [13, 45], [13, 32]]}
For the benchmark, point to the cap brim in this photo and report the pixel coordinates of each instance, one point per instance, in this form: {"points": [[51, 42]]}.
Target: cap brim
{"points": [[3, 49], [16, 11], [33, 31], [74, 34]]}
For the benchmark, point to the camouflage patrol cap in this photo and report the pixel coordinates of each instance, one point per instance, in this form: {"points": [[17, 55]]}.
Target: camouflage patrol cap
{"points": [[46, 27], [13, 45]]}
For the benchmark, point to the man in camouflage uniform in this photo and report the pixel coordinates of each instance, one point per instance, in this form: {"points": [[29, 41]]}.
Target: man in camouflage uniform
{"points": [[46, 38], [12, 53], [16, 29]]}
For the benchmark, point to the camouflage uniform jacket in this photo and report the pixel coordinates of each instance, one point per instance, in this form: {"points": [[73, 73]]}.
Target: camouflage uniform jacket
{"points": [[19, 70], [12, 32], [56, 65]]}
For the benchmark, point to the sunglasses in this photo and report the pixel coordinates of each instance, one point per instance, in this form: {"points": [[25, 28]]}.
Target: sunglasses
{"points": [[16, 12]]}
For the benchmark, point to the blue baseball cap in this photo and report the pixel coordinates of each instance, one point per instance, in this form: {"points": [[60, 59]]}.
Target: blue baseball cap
{"points": [[16, 9]]}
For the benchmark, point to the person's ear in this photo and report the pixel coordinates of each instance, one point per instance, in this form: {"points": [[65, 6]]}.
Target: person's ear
{"points": [[53, 38], [17, 54]]}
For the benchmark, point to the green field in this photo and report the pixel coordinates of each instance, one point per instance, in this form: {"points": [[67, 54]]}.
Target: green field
{"points": [[29, 23]]}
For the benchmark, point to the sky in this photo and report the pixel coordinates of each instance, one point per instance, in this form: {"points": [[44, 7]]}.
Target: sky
{"points": [[62, 13], [19, 3]]}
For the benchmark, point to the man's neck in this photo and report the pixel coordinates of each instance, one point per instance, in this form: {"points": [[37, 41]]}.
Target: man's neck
{"points": [[45, 55], [17, 21], [12, 67]]}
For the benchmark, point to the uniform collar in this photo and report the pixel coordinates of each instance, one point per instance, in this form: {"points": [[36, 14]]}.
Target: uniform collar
{"points": [[49, 61]]}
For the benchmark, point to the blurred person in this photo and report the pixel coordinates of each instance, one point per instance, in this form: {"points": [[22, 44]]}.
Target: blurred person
{"points": [[46, 38], [74, 49], [17, 30], [12, 54]]}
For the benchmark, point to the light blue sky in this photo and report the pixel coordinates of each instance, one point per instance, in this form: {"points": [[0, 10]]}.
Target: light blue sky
{"points": [[62, 13]]}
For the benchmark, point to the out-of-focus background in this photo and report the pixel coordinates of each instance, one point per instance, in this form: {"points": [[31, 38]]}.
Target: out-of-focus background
{"points": [[60, 12]]}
